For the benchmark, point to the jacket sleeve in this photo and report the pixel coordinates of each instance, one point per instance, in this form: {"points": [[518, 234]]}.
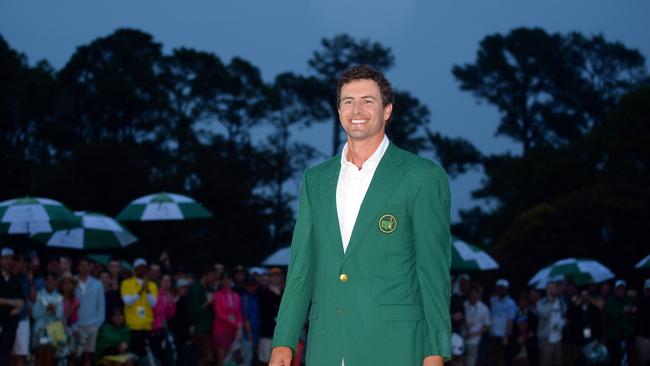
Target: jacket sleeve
{"points": [[431, 219], [299, 285]]}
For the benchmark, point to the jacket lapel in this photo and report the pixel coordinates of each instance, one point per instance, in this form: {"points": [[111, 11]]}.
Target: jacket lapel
{"points": [[384, 182], [329, 179]]}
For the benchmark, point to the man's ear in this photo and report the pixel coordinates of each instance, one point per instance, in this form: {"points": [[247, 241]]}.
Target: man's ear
{"points": [[388, 111]]}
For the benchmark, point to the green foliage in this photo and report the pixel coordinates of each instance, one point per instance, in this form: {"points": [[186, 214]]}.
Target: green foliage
{"points": [[123, 119], [456, 155], [580, 187], [550, 88]]}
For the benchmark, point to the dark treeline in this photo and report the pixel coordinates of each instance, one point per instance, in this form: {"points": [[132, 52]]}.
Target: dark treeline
{"points": [[123, 119]]}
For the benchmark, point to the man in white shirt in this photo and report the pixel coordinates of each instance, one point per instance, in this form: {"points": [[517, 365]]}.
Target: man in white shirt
{"points": [[552, 312], [502, 311], [91, 311], [370, 253], [477, 324]]}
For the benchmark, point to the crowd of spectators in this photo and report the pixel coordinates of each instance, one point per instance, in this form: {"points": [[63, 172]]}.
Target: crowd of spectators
{"points": [[563, 325], [81, 312]]}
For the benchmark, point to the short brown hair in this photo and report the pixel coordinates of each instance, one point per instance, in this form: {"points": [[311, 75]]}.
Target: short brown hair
{"points": [[361, 72]]}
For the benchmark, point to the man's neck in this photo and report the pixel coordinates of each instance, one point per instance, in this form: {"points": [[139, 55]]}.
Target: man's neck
{"points": [[359, 151], [83, 277]]}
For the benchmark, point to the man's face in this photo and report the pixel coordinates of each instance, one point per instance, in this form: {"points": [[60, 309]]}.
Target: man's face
{"points": [[105, 278], [620, 291], [585, 298], [50, 283], [154, 272], [140, 271], [65, 264], [239, 277], [114, 268], [84, 268], [210, 278], [523, 302], [533, 296], [117, 318], [502, 291], [276, 279], [182, 290], [6, 262], [551, 290], [474, 296], [361, 110], [53, 266], [464, 285], [219, 268]]}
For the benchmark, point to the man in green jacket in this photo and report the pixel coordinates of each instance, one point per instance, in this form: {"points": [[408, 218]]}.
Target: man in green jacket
{"points": [[201, 315], [371, 247]]}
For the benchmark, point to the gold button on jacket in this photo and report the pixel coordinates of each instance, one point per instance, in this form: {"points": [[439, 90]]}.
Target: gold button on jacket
{"points": [[343, 277]]}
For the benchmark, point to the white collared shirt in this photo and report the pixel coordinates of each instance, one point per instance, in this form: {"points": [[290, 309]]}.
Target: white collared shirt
{"points": [[352, 186]]}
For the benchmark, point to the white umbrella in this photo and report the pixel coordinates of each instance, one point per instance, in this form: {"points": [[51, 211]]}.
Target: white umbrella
{"points": [[582, 271], [643, 263], [163, 207], [468, 257], [96, 231], [32, 215], [280, 258]]}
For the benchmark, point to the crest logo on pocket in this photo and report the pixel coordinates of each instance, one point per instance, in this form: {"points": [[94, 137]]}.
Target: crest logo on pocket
{"points": [[387, 224]]}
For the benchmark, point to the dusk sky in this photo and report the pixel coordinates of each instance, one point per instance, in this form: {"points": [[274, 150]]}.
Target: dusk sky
{"points": [[427, 38]]}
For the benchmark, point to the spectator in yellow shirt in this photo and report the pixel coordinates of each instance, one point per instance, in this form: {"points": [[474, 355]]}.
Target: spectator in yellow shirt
{"points": [[139, 295]]}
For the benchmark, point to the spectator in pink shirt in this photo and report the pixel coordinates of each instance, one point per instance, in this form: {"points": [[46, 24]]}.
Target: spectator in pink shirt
{"points": [[165, 308], [163, 312], [227, 324]]}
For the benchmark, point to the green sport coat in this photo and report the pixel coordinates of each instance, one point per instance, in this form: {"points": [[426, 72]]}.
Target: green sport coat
{"points": [[385, 301]]}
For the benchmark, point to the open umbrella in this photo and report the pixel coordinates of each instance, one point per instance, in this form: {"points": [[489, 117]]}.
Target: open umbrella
{"points": [[643, 263], [96, 231], [466, 257], [280, 258], [31, 215], [581, 271], [163, 207]]}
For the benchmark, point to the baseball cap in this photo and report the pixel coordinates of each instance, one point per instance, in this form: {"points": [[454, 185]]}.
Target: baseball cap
{"points": [[258, 271], [182, 282], [503, 282], [620, 283], [6, 251], [139, 262]]}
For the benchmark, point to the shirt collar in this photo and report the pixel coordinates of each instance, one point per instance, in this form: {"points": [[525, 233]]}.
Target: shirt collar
{"points": [[374, 158]]}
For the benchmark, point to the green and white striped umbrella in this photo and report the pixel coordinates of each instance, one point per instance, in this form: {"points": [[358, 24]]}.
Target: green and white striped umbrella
{"points": [[580, 270], [32, 215], [466, 257], [280, 257], [163, 207], [644, 263], [96, 231]]}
